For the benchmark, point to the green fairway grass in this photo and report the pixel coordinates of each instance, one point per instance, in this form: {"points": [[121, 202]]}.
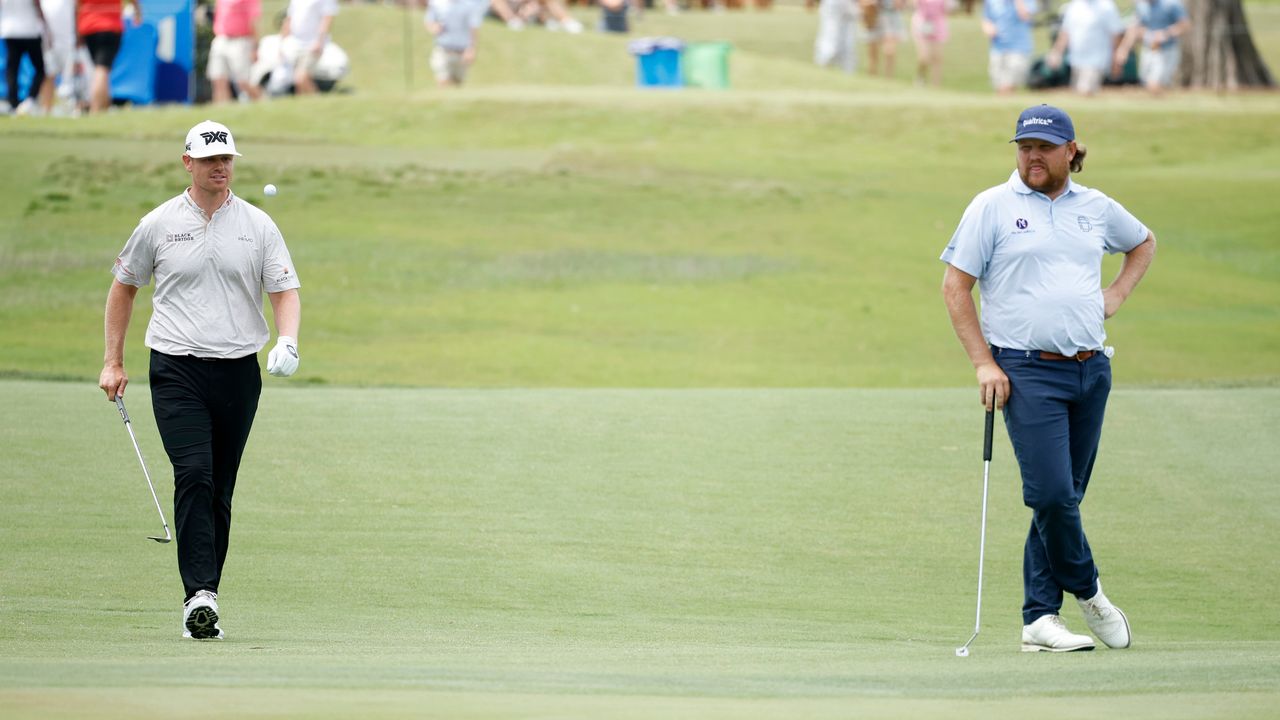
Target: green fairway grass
{"points": [[582, 233], [620, 553], [623, 239]]}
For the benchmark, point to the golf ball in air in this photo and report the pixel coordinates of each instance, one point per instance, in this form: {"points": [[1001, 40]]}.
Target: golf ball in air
{"points": [[269, 190]]}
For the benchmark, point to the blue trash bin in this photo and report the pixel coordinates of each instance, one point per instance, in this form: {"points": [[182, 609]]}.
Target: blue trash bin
{"points": [[658, 62]]}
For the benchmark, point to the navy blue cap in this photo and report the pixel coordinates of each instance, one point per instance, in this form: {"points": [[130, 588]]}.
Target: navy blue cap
{"points": [[1044, 122]]}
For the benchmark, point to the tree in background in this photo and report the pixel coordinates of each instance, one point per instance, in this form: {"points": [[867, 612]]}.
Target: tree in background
{"points": [[1218, 53]]}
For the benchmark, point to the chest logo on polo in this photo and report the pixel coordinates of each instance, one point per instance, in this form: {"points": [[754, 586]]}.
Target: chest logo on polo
{"points": [[1083, 222], [178, 237], [1022, 226], [244, 238]]}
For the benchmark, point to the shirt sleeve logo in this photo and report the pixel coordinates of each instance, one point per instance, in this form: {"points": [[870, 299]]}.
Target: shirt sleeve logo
{"points": [[1083, 222]]}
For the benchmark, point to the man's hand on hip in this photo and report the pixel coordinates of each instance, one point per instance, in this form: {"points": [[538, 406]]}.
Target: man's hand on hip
{"points": [[282, 361]]}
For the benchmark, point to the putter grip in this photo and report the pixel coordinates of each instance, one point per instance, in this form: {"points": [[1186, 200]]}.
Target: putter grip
{"points": [[124, 414], [986, 440]]}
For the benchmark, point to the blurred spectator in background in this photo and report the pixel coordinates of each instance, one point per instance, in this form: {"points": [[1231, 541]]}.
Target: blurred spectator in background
{"points": [[883, 33], [302, 39], [506, 12], [837, 41], [929, 32], [59, 48], [22, 27], [234, 49], [1090, 33], [1007, 24], [548, 13], [100, 24], [613, 16], [1158, 24], [454, 24]]}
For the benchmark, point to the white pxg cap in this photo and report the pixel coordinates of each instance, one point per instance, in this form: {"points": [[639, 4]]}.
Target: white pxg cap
{"points": [[208, 139]]}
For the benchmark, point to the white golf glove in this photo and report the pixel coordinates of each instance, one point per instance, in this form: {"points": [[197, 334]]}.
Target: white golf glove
{"points": [[282, 361]]}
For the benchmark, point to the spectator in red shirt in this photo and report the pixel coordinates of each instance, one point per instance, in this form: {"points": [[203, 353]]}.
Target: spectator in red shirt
{"points": [[99, 26]]}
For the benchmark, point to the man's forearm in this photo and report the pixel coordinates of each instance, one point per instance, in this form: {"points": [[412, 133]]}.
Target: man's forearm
{"points": [[116, 323], [287, 309], [1133, 267]]}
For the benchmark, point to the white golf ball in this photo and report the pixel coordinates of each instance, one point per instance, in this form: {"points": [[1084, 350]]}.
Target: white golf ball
{"points": [[269, 190]]}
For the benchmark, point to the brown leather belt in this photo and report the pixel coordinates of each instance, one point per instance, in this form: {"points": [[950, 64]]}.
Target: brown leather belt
{"points": [[1078, 357]]}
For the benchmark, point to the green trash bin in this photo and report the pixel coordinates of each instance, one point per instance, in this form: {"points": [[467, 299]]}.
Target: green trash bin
{"points": [[706, 65]]}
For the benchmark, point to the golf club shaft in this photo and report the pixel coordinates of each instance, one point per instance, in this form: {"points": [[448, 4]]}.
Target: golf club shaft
{"points": [[124, 415], [982, 532]]}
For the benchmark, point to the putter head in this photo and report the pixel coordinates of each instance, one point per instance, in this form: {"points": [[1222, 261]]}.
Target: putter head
{"points": [[962, 652]]}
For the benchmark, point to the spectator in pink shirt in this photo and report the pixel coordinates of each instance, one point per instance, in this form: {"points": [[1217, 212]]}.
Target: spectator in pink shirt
{"points": [[929, 31], [234, 48]]}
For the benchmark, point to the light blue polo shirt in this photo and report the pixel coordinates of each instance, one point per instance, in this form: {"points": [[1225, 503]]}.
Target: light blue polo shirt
{"points": [[1039, 263], [1013, 34], [459, 19], [1158, 15]]}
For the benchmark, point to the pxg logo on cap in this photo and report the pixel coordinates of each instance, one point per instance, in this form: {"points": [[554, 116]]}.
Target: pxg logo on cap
{"points": [[1044, 122], [208, 139]]}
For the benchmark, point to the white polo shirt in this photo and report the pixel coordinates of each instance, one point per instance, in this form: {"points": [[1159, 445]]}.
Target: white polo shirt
{"points": [[1039, 263], [18, 20], [1091, 27], [305, 17], [210, 275]]}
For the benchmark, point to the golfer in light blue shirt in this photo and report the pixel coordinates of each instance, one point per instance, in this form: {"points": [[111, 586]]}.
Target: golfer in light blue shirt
{"points": [[1034, 246]]}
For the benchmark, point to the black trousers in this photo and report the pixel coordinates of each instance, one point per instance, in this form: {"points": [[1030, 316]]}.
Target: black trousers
{"points": [[204, 410], [15, 48]]}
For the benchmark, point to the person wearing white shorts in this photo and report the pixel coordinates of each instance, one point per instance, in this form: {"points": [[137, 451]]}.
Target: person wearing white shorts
{"points": [[1007, 24], [1090, 33], [304, 34], [59, 51], [883, 35], [1159, 24], [235, 44], [454, 25], [230, 59]]}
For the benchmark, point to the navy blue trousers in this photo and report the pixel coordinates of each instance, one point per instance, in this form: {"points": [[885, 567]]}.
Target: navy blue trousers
{"points": [[204, 410], [1054, 419]]}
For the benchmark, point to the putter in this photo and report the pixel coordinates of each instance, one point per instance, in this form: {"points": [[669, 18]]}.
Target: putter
{"points": [[124, 415], [963, 650]]}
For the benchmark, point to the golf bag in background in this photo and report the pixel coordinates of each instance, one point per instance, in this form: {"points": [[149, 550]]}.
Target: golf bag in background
{"points": [[277, 77], [1041, 76]]}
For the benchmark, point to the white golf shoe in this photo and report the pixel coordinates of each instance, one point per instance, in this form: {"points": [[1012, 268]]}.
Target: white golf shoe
{"points": [[1106, 621], [1050, 634], [200, 616]]}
